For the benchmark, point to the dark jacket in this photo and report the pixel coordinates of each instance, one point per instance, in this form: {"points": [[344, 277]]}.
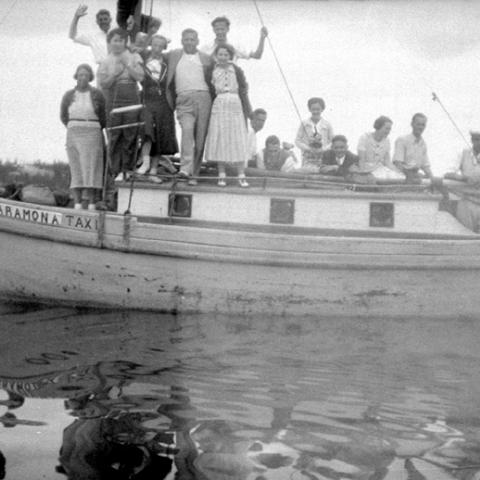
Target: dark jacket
{"points": [[328, 158], [242, 89], [173, 57], [98, 101]]}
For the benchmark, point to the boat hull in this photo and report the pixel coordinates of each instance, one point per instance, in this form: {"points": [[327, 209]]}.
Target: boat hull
{"points": [[63, 273]]}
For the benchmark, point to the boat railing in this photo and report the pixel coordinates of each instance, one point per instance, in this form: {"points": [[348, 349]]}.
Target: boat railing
{"points": [[301, 181]]}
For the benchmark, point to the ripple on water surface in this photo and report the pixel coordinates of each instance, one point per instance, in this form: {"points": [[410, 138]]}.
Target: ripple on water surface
{"points": [[129, 395]]}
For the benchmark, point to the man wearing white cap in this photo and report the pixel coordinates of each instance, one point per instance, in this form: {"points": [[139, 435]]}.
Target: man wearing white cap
{"points": [[469, 164], [468, 212], [411, 151]]}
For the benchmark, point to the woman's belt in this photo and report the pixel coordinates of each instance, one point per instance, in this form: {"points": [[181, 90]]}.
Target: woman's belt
{"points": [[83, 120]]}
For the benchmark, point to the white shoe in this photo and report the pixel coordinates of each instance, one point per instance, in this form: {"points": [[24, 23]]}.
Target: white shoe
{"points": [[145, 166], [77, 206], [92, 207]]}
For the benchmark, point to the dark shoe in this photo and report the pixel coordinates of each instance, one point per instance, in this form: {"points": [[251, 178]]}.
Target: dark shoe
{"points": [[182, 176]]}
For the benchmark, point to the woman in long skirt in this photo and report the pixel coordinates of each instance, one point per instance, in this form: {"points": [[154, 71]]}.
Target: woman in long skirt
{"points": [[227, 132], [82, 111], [160, 138]]}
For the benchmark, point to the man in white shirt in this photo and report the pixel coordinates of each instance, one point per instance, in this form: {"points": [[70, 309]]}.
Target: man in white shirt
{"points": [[221, 27], [188, 93], [257, 121], [411, 151], [97, 41]]}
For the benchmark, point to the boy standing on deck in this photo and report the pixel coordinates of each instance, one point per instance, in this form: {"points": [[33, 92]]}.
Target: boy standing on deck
{"points": [[221, 27]]}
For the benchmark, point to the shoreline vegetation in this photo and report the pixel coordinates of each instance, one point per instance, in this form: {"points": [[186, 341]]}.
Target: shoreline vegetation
{"points": [[55, 175]]}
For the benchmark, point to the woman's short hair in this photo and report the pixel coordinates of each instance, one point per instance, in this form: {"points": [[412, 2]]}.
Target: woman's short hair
{"points": [[272, 140], [229, 48], [88, 68], [381, 121], [123, 34], [314, 100]]}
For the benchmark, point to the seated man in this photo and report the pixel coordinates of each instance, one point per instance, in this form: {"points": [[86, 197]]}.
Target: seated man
{"points": [[411, 152], [275, 158], [469, 161], [338, 160], [468, 211], [256, 123]]}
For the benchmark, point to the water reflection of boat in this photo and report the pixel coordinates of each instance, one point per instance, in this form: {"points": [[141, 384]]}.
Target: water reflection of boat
{"points": [[292, 250]]}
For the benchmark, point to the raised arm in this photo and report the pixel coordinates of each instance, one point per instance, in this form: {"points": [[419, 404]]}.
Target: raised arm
{"points": [[80, 12], [257, 54]]}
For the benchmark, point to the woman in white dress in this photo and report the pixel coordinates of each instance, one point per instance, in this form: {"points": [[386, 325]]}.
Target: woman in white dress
{"points": [[374, 152], [82, 111], [227, 131]]}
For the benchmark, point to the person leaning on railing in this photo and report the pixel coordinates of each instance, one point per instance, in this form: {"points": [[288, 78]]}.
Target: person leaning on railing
{"points": [[82, 111], [410, 155], [338, 160], [275, 157], [375, 162]]}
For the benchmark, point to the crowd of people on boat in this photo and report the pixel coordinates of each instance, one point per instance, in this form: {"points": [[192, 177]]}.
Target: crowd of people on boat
{"points": [[141, 87]]}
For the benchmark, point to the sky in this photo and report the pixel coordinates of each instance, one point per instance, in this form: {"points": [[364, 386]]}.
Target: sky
{"points": [[365, 58]]}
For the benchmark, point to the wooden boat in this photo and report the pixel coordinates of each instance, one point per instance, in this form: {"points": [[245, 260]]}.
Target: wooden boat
{"points": [[316, 249]]}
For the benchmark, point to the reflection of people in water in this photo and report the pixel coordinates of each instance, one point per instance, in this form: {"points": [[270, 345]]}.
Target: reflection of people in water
{"points": [[13, 401], [9, 419], [110, 449]]}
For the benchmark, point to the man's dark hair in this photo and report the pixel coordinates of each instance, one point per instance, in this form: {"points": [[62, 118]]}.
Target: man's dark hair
{"points": [[418, 115], [381, 121], [272, 140], [314, 100], [189, 30], [221, 19], [258, 111], [117, 31], [102, 11], [339, 138]]}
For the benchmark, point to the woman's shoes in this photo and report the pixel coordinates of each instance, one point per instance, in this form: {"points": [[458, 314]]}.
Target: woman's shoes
{"points": [[242, 181], [145, 167], [222, 181]]}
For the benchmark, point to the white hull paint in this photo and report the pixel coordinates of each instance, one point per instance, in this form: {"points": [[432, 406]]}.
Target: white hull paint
{"points": [[175, 268]]}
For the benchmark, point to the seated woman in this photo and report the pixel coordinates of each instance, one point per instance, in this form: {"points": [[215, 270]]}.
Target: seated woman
{"points": [[160, 138], [118, 75], [227, 132], [374, 154], [338, 160], [314, 135], [82, 111], [275, 158]]}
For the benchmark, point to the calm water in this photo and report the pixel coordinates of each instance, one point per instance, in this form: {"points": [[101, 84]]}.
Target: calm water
{"points": [[153, 396]]}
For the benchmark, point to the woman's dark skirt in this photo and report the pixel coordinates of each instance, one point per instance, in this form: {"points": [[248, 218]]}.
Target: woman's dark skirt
{"points": [[160, 125]]}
